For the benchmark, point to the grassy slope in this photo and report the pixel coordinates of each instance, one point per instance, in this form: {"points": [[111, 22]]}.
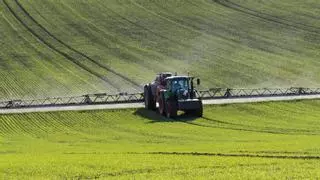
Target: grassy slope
{"points": [[121, 44], [141, 144]]}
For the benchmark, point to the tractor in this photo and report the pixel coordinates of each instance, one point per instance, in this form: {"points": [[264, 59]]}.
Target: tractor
{"points": [[173, 93]]}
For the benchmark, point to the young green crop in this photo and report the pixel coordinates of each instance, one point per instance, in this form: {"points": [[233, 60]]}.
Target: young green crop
{"points": [[259, 141]]}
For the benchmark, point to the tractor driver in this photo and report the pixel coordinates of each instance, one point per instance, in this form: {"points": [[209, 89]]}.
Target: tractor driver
{"points": [[176, 86]]}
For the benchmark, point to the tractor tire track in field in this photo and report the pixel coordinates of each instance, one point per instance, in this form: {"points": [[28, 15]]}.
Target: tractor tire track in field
{"points": [[230, 155], [76, 51], [52, 47], [28, 68], [68, 47], [42, 55], [268, 17], [128, 55]]}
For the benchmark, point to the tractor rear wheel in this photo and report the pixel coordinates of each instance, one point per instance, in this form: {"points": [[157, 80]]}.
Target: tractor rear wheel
{"points": [[171, 109], [148, 98]]}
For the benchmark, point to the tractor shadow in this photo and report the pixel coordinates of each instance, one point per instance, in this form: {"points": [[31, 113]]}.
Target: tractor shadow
{"points": [[155, 117]]}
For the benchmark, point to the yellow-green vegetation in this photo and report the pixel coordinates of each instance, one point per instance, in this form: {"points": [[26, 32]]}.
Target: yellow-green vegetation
{"points": [[70, 47], [278, 140]]}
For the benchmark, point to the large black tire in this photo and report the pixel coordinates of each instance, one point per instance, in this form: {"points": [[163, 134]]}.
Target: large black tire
{"points": [[162, 104], [149, 100], [152, 100], [146, 97], [196, 112], [171, 109], [199, 112]]}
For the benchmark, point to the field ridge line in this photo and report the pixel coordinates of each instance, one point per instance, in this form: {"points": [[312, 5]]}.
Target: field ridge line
{"points": [[229, 155]]}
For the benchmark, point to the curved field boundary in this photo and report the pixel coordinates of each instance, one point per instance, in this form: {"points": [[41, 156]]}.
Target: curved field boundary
{"points": [[141, 105], [68, 56], [268, 17]]}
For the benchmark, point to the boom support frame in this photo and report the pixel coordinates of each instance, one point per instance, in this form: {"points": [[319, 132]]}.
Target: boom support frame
{"points": [[104, 98]]}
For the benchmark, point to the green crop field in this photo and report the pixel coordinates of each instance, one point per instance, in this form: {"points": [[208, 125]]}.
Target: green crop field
{"points": [[276, 140], [73, 47]]}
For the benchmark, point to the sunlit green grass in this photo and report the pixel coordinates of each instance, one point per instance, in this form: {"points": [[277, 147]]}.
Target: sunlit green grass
{"points": [[244, 141], [262, 44], [124, 166], [247, 44]]}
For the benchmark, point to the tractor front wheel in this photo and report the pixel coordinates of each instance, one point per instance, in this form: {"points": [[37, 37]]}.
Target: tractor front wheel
{"points": [[199, 112], [171, 109]]}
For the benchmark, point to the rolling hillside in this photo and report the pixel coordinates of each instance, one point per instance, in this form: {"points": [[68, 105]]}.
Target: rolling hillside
{"points": [[245, 141], [57, 48]]}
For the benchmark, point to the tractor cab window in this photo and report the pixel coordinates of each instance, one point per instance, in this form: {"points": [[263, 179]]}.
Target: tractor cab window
{"points": [[179, 84]]}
